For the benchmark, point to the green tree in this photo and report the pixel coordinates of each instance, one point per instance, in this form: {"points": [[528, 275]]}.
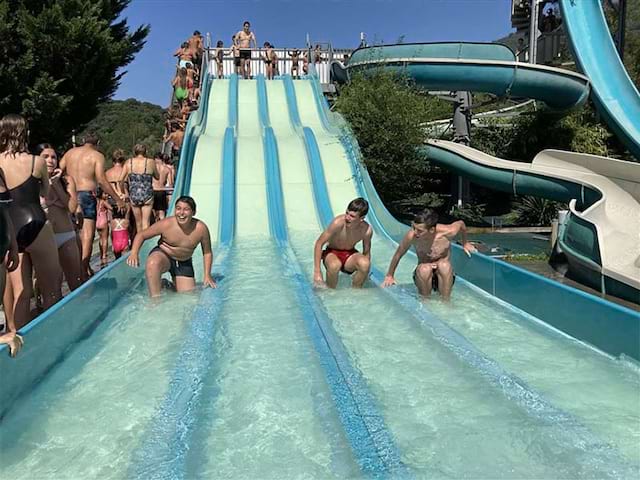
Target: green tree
{"points": [[122, 124], [387, 115], [60, 59]]}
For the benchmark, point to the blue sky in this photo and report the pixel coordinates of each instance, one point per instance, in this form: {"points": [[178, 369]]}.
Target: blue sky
{"points": [[285, 23]]}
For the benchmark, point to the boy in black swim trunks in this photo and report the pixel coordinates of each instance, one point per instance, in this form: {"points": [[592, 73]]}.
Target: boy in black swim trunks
{"points": [[179, 236], [245, 38], [432, 243]]}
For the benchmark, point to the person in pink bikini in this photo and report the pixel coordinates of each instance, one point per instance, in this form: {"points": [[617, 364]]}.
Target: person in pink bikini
{"points": [[340, 255]]}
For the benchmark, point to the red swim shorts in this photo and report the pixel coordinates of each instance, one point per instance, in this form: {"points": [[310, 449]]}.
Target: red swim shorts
{"points": [[343, 256]]}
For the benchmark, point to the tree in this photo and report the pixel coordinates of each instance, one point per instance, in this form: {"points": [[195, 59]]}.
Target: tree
{"points": [[387, 114], [60, 59], [122, 124]]}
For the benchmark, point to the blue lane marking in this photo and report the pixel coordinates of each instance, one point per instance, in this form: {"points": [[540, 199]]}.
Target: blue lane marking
{"points": [[371, 441], [163, 451]]}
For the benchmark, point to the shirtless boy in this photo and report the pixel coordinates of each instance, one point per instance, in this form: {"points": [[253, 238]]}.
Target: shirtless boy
{"points": [[244, 38], [295, 61], [432, 242], [85, 165], [179, 237], [341, 237]]}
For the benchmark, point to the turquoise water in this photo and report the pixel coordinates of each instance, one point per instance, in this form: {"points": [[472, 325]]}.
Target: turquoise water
{"points": [[268, 412], [448, 422], [88, 414]]}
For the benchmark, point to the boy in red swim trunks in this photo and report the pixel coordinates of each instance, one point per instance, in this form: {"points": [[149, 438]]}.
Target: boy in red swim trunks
{"points": [[341, 237]]}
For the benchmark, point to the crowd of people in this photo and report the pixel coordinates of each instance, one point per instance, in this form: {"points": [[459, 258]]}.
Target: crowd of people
{"points": [[51, 210]]}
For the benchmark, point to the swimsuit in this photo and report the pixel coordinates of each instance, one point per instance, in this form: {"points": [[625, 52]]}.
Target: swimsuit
{"points": [[160, 200], [88, 204], [181, 93], [434, 279], [140, 186], [343, 256], [64, 237], [178, 268], [25, 211], [119, 239], [245, 53], [5, 239]]}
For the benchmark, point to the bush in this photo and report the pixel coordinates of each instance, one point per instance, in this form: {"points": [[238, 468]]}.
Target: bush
{"points": [[386, 113], [534, 211]]}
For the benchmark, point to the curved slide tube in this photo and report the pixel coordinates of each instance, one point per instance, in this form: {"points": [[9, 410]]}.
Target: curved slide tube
{"points": [[480, 67], [615, 95], [602, 233]]}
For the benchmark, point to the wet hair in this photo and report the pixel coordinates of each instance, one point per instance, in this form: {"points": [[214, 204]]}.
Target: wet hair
{"points": [[189, 201], [246, 22], [266, 44], [196, 32], [185, 44], [13, 134], [358, 205], [165, 158], [427, 217], [220, 43], [118, 156], [41, 147], [90, 138], [140, 149]]}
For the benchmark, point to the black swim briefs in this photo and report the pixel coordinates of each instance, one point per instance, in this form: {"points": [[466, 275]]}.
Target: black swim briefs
{"points": [[178, 268]]}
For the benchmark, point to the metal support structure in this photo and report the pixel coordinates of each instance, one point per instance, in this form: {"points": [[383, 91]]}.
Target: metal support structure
{"points": [[622, 23], [462, 134], [534, 29]]}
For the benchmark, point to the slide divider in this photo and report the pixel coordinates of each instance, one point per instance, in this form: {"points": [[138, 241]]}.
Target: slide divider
{"points": [[371, 442], [163, 452]]}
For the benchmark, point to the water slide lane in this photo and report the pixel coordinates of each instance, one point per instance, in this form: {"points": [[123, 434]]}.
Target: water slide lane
{"points": [[206, 177], [615, 95], [251, 198], [529, 331], [123, 370], [370, 440], [268, 407]]}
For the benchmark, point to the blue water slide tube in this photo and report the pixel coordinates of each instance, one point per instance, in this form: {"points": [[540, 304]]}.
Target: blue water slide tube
{"points": [[481, 67], [48, 337], [614, 94]]}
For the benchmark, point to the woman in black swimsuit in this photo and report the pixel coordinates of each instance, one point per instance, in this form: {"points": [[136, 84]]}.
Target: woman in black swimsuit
{"points": [[8, 262], [26, 179]]}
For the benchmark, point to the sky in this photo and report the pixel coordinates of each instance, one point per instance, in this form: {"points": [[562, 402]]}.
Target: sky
{"points": [[286, 23]]}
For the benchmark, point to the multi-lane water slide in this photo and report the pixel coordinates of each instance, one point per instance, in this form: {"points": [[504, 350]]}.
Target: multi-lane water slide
{"points": [[601, 237], [310, 376]]}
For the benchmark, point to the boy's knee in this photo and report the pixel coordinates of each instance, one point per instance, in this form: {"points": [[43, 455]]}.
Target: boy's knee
{"points": [[333, 266], [364, 263], [424, 271]]}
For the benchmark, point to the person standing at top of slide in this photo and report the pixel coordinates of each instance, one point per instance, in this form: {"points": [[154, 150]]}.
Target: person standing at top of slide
{"points": [[244, 38], [196, 47], [85, 165]]}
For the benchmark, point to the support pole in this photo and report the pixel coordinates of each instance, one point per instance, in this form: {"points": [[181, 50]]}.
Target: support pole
{"points": [[462, 134], [534, 31], [622, 23]]}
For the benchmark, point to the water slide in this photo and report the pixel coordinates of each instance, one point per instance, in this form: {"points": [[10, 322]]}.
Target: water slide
{"points": [[266, 377], [614, 94], [600, 239]]}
